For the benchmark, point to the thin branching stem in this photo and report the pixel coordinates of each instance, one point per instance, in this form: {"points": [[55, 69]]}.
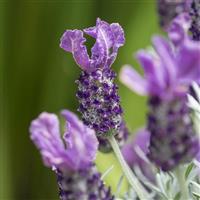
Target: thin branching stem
{"points": [[132, 179]]}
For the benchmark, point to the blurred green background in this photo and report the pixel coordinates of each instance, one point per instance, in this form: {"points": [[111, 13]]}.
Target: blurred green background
{"points": [[36, 76]]}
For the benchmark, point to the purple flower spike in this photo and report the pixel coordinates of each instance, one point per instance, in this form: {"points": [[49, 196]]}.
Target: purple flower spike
{"points": [[99, 101], [97, 92], [173, 138], [73, 41], [109, 37], [73, 163], [168, 73]]}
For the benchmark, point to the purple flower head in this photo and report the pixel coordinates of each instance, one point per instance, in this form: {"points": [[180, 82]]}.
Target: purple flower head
{"points": [[77, 175], [140, 142], [97, 93], [81, 143], [173, 138], [168, 70], [109, 37], [169, 9]]}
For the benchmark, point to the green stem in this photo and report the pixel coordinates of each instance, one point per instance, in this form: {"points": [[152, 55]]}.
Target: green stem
{"points": [[132, 179], [182, 183]]}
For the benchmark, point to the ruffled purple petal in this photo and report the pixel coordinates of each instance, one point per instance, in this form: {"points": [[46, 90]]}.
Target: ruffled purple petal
{"points": [[82, 141], [45, 134], [118, 34], [188, 62], [104, 41], [109, 37], [73, 41], [91, 31], [133, 80], [168, 64], [118, 41], [153, 73]]}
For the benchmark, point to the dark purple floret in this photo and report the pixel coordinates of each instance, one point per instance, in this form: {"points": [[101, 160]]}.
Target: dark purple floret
{"points": [[99, 101], [82, 185], [169, 9], [195, 16], [173, 139]]}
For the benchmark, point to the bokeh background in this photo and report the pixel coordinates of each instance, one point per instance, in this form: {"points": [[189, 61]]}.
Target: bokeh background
{"points": [[36, 76]]}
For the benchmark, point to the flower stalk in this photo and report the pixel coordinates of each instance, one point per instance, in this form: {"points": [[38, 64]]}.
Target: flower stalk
{"points": [[182, 183], [132, 179]]}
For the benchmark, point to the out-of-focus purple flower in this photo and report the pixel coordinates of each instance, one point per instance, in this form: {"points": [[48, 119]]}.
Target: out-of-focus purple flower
{"points": [[168, 73], [138, 142], [97, 93], [173, 137], [81, 142], [72, 161], [169, 68], [195, 17], [169, 9]]}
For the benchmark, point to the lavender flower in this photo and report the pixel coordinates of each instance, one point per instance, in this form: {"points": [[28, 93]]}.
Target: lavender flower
{"points": [[138, 142], [168, 73], [195, 16], [73, 161], [97, 92]]}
